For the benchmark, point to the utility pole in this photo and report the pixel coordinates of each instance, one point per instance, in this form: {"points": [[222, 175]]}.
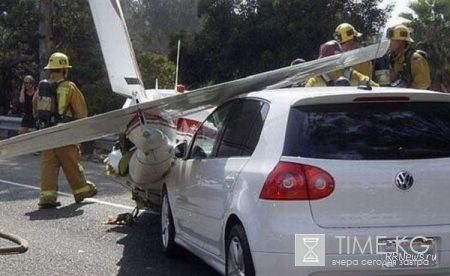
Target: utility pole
{"points": [[45, 34]]}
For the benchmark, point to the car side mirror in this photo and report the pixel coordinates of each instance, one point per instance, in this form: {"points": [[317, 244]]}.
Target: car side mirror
{"points": [[181, 150], [198, 153]]}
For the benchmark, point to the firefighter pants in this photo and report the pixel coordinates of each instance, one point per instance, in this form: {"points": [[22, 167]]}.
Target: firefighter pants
{"points": [[67, 157]]}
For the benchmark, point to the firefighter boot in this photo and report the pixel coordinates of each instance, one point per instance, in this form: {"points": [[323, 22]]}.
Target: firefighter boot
{"points": [[87, 191], [47, 202]]}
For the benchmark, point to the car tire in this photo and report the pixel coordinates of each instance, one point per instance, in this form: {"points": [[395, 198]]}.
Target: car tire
{"points": [[167, 228], [238, 256]]}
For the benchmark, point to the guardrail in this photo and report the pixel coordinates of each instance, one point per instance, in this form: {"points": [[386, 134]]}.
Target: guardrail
{"points": [[10, 123], [10, 126]]}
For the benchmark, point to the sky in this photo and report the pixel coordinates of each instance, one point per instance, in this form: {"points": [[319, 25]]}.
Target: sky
{"points": [[400, 6]]}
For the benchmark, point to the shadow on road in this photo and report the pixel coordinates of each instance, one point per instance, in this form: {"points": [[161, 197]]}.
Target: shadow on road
{"points": [[142, 254], [68, 211]]}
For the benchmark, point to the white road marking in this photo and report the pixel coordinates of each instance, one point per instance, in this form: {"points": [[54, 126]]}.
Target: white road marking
{"points": [[70, 195]]}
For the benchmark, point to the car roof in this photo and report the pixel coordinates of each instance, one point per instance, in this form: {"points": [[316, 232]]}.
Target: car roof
{"points": [[346, 94]]}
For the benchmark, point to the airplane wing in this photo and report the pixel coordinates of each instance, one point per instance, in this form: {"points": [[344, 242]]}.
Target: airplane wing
{"points": [[176, 106]]}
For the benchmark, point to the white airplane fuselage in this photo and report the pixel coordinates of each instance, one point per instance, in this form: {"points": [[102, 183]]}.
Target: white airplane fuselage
{"points": [[154, 139]]}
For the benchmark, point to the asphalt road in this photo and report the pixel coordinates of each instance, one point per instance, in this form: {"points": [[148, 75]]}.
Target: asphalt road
{"points": [[72, 240]]}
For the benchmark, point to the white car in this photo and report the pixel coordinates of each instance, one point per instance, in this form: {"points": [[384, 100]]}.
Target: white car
{"points": [[368, 170]]}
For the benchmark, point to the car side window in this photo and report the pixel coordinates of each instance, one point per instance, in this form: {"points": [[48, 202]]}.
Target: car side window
{"points": [[207, 135], [242, 132]]}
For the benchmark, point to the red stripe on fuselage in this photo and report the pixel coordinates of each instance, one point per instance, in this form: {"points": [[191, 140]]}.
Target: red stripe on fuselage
{"points": [[183, 125]]}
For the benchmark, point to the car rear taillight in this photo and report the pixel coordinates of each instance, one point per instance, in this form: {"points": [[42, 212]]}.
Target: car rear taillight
{"points": [[292, 181]]}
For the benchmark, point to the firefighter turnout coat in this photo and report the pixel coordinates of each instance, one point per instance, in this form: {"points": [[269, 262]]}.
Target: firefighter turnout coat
{"points": [[419, 75], [364, 68], [355, 79]]}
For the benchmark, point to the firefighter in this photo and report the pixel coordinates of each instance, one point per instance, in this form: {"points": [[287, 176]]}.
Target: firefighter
{"points": [[67, 104], [348, 37], [342, 77], [409, 68]]}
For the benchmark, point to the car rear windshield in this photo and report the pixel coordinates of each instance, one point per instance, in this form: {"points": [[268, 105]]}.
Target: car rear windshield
{"points": [[369, 131]]}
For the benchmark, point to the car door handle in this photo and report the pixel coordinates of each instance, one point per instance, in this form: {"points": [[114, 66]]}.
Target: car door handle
{"points": [[229, 180]]}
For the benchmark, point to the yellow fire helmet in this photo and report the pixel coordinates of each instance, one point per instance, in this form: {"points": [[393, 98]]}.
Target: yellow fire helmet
{"points": [[345, 32], [399, 32], [58, 61]]}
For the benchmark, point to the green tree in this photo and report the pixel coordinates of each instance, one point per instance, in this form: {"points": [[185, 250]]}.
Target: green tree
{"points": [[152, 66], [19, 22], [430, 23], [18, 49], [151, 21], [75, 35], [239, 38]]}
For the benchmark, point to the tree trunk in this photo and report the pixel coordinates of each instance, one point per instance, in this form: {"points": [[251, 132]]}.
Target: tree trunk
{"points": [[45, 34]]}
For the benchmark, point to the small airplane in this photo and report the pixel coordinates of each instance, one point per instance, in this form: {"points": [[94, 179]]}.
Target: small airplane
{"points": [[155, 120]]}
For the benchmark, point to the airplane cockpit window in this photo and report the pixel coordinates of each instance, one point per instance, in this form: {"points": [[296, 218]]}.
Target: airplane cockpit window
{"points": [[243, 129], [208, 134]]}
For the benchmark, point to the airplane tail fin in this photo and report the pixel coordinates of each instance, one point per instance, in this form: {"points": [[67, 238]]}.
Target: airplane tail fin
{"points": [[120, 60]]}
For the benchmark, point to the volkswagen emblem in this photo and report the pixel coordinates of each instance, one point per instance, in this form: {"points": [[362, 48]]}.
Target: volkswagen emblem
{"points": [[404, 180]]}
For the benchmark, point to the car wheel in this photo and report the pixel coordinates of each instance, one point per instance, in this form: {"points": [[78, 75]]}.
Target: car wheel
{"points": [[167, 227], [238, 257]]}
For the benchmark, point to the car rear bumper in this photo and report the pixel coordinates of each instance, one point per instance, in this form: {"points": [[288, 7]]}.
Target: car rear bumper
{"points": [[284, 264], [272, 242], [272, 226]]}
